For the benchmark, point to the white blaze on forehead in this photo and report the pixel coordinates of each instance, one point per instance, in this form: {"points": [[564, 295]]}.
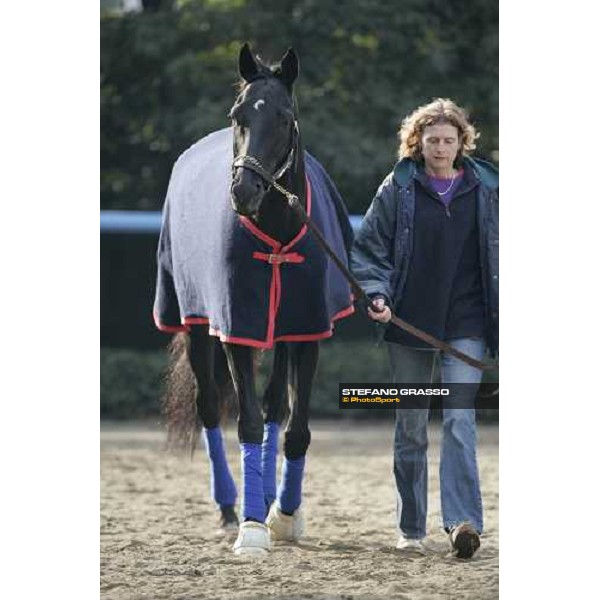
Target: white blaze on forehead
{"points": [[258, 104]]}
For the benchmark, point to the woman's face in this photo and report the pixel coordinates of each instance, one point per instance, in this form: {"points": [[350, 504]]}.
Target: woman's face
{"points": [[440, 145]]}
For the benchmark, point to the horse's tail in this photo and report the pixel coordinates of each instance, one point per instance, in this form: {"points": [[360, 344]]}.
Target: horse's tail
{"points": [[179, 400]]}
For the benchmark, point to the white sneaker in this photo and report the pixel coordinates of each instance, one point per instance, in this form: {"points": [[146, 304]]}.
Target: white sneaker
{"points": [[253, 539], [287, 528], [411, 545]]}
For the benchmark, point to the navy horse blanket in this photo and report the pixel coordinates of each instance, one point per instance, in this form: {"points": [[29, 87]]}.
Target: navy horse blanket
{"points": [[217, 268]]}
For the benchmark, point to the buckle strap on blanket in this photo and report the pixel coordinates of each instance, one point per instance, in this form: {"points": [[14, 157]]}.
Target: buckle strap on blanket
{"points": [[277, 259]]}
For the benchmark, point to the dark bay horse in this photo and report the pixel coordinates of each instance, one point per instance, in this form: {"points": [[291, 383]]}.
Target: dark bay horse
{"points": [[238, 271]]}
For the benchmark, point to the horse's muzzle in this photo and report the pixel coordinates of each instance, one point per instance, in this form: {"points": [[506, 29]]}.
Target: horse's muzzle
{"points": [[246, 196]]}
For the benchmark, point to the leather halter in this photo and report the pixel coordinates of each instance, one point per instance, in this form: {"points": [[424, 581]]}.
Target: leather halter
{"points": [[246, 161]]}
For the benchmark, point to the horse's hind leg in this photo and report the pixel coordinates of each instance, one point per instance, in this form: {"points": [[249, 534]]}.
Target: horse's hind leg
{"points": [[202, 360], [274, 403], [285, 520]]}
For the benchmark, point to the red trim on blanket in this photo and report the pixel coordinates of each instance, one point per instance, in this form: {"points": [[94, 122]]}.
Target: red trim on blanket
{"points": [[343, 313], [239, 340], [309, 337], [274, 295], [261, 235], [168, 328], [172, 328]]}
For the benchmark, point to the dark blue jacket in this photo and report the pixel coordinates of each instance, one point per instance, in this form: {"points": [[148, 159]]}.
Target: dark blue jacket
{"points": [[383, 246]]}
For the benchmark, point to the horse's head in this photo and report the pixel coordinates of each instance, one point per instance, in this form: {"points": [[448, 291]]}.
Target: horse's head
{"points": [[264, 127]]}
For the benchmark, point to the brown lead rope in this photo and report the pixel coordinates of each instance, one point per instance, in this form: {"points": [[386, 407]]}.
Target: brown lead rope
{"points": [[359, 293]]}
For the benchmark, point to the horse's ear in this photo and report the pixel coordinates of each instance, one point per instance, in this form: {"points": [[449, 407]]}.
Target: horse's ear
{"points": [[246, 64], [290, 67]]}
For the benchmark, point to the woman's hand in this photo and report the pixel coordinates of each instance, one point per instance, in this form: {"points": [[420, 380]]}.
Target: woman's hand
{"points": [[382, 317]]}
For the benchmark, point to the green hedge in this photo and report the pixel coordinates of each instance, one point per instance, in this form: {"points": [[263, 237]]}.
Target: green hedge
{"points": [[167, 79], [131, 382]]}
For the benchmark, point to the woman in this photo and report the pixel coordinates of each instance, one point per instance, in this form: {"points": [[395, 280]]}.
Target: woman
{"points": [[428, 250]]}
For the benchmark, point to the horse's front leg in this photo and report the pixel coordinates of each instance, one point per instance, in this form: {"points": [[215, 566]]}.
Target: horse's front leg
{"points": [[253, 536], [201, 355], [285, 518], [274, 404]]}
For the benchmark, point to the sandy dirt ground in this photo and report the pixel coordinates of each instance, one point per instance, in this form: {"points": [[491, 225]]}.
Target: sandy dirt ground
{"points": [[159, 537]]}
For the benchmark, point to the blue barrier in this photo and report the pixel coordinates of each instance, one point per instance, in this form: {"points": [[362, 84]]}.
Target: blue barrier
{"points": [[129, 221], [145, 221]]}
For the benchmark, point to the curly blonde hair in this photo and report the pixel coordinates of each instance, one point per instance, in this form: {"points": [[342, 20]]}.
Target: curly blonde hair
{"points": [[441, 110]]}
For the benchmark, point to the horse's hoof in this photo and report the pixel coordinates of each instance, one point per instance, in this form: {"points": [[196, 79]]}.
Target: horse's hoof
{"points": [[253, 539], [284, 527], [228, 521]]}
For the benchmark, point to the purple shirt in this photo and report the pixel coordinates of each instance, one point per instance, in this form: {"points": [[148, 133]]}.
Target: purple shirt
{"points": [[441, 185]]}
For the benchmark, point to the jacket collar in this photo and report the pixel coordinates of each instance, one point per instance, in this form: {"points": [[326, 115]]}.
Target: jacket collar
{"points": [[485, 172], [406, 169]]}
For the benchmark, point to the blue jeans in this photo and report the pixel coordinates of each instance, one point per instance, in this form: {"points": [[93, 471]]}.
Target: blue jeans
{"points": [[459, 476]]}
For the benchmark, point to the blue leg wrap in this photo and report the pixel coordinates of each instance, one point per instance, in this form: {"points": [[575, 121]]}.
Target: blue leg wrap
{"points": [[253, 502], [269, 461], [290, 490], [222, 486]]}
